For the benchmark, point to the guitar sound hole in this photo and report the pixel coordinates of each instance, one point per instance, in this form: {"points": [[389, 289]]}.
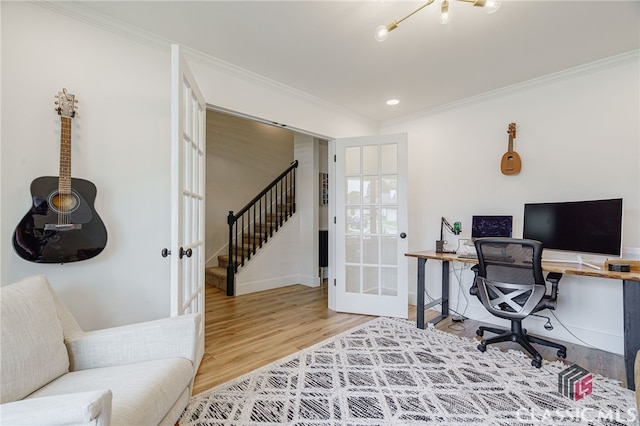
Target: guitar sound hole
{"points": [[64, 203]]}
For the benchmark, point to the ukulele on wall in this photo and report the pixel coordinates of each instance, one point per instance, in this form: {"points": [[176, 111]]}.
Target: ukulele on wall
{"points": [[62, 225], [511, 163]]}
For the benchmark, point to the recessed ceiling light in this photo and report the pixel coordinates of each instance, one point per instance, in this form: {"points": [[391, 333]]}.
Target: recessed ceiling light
{"points": [[393, 102]]}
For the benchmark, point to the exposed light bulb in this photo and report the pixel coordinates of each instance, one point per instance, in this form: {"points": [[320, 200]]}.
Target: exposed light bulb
{"points": [[443, 16], [381, 33], [492, 6]]}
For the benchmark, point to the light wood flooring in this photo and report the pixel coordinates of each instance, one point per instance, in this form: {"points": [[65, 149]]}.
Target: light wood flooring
{"points": [[245, 332]]}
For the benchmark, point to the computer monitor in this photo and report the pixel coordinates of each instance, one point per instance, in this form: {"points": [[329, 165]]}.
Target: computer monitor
{"points": [[491, 226], [592, 226]]}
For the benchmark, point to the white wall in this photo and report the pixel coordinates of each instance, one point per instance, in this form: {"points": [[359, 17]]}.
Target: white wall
{"points": [[121, 143], [578, 135]]}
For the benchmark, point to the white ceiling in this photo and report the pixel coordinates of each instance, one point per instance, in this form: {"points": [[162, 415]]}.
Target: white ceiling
{"points": [[327, 49]]}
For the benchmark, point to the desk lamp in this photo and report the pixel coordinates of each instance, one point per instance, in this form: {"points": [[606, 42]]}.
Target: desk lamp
{"points": [[455, 229]]}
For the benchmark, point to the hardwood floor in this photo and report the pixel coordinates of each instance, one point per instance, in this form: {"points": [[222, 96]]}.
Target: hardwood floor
{"points": [[246, 332]]}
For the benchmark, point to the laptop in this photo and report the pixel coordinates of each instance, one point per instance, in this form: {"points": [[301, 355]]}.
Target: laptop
{"points": [[487, 226], [491, 226]]}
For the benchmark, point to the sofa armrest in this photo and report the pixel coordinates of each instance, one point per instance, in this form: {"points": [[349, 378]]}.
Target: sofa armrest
{"points": [[90, 408], [174, 337]]}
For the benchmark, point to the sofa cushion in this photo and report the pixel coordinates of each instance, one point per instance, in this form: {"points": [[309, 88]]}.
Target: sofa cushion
{"points": [[33, 352], [143, 392]]}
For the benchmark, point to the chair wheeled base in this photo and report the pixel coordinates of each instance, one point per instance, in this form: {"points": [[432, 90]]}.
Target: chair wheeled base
{"points": [[519, 335]]}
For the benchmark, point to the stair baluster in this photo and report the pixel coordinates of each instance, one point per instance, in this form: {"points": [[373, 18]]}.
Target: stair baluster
{"points": [[249, 225]]}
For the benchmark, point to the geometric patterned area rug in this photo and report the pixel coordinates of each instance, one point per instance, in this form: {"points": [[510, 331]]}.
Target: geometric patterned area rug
{"points": [[388, 372]]}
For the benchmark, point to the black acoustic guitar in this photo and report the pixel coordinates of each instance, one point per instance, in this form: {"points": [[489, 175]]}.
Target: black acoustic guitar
{"points": [[62, 225]]}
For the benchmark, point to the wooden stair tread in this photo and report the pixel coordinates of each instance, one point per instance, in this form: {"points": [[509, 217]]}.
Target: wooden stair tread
{"points": [[260, 232]]}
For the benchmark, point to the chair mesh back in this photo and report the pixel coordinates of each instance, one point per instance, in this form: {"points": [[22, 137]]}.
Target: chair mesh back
{"points": [[507, 265], [515, 253], [509, 260]]}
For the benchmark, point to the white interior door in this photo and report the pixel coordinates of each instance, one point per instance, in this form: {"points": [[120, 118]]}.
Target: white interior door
{"points": [[370, 225], [188, 144]]}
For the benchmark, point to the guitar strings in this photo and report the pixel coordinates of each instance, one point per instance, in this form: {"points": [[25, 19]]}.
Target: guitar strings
{"points": [[64, 185]]}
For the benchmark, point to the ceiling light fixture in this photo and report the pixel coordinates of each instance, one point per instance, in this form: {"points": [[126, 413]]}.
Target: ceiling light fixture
{"points": [[392, 102], [489, 6]]}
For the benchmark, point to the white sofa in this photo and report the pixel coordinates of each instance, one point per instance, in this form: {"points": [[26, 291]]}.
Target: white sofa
{"points": [[53, 373]]}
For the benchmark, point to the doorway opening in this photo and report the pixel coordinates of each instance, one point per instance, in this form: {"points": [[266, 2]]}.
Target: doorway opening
{"points": [[245, 153]]}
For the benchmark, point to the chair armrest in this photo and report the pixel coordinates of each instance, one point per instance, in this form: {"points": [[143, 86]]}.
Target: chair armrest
{"points": [[554, 279], [550, 301], [90, 408], [473, 290], [175, 337]]}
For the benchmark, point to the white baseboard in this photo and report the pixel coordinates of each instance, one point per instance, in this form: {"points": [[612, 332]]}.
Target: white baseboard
{"points": [[261, 285]]}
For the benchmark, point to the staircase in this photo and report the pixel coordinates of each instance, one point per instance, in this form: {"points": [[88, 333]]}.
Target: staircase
{"points": [[251, 228], [216, 276]]}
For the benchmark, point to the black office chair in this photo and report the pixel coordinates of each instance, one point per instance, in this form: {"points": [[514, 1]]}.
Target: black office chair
{"points": [[510, 284]]}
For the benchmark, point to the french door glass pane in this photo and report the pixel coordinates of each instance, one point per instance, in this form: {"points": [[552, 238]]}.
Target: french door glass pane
{"points": [[352, 277], [370, 280], [353, 220], [370, 189], [370, 164], [389, 189], [353, 190], [388, 250], [352, 252], [370, 220], [389, 278], [370, 250], [389, 156], [352, 160], [389, 221]]}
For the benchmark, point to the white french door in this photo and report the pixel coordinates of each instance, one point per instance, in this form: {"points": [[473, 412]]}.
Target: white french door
{"points": [[188, 144], [370, 225]]}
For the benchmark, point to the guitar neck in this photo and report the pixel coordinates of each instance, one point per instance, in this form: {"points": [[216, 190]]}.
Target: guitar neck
{"points": [[64, 182], [510, 143]]}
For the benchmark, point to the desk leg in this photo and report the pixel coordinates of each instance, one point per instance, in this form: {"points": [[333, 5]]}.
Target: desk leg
{"points": [[631, 302], [420, 310], [444, 298]]}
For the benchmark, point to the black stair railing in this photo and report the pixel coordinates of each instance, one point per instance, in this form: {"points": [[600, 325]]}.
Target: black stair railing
{"points": [[256, 222]]}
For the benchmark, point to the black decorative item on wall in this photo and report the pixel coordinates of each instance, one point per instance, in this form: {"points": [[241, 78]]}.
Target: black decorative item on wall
{"points": [[62, 225]]}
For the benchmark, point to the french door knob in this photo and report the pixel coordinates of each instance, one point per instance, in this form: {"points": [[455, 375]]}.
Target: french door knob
{"points": [[403, 235], [187, 252], [165, 252]]}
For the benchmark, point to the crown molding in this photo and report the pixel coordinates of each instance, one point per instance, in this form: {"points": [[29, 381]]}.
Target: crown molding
{"points": [[265, 81], [589, 68], [84, 14]]}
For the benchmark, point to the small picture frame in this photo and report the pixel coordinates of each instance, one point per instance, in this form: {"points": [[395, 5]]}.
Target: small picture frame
{"points": [[324, 189]]}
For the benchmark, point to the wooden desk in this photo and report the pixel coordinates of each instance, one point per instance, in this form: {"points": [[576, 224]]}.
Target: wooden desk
{"points": [[630, 294]]}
